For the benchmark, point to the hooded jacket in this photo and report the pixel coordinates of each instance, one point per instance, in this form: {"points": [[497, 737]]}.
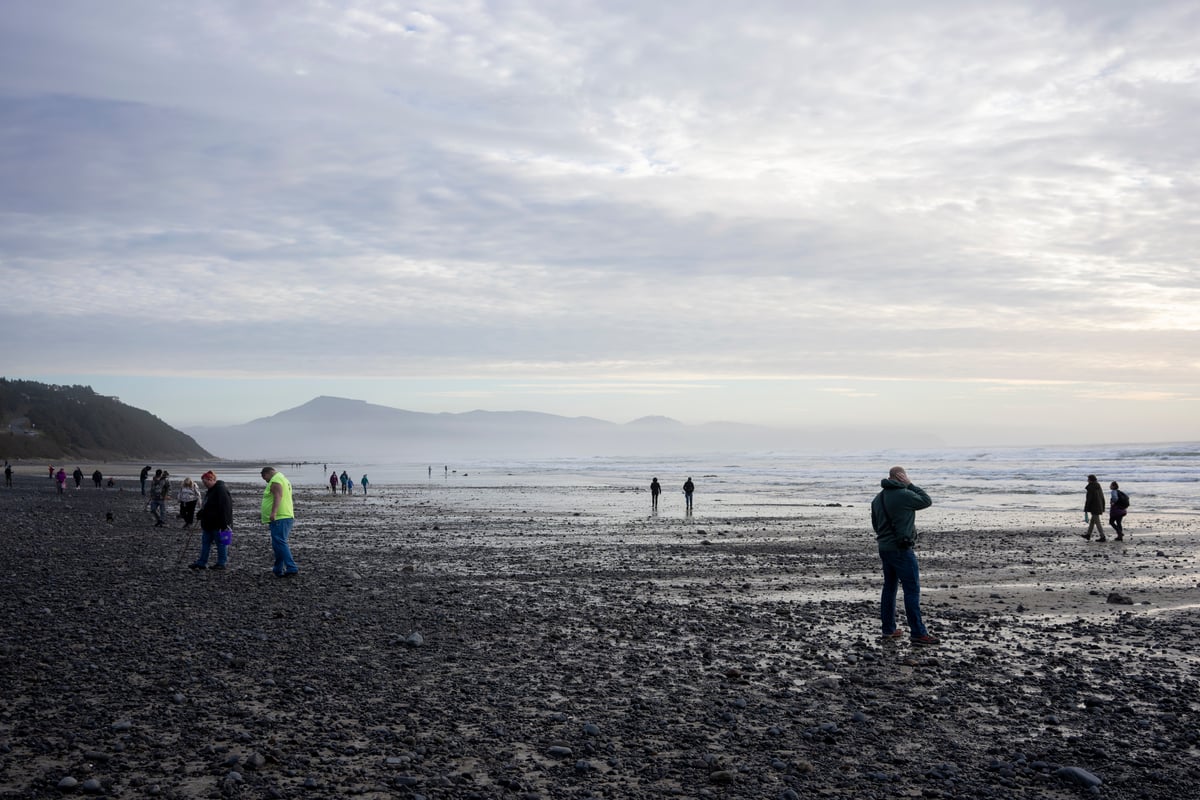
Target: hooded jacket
{"points": [[902, 504], [217, 511]]}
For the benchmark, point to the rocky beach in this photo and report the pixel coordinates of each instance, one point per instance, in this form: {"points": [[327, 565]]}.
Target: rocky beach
{"points": [[511, 647]]}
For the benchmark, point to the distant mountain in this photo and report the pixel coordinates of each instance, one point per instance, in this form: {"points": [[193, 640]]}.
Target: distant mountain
{"points": [[39, 420], [340, 429]]}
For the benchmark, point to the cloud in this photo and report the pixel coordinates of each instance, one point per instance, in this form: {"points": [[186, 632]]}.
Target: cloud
{"points": [[606, 193]]}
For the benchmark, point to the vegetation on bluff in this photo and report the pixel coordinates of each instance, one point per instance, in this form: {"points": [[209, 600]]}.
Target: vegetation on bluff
{"points": [[39, 420]]}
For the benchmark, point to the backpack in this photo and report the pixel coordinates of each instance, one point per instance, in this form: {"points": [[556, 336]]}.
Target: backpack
{"points": [[1122, 500]]}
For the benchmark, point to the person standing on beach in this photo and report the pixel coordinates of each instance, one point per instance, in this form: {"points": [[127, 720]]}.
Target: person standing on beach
{"points": [[159, 488], [688, 489], [365, 482], [277, 513], [61, 479], [215, 515], [655, 491], [894, 517], [188, 497], [98, 478], [7, 474], [333, 482], [1093, 507], [345, 482], [142, 477], [1118, 507], [78, 476]]}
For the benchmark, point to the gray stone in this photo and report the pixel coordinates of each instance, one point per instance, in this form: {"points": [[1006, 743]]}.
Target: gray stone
{"points": [[1078, 775]]}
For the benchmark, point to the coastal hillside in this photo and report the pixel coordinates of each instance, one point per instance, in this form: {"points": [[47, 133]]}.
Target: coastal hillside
{"points": [[39, 420]]}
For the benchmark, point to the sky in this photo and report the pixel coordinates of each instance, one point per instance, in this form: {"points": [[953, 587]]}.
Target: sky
{"points": [[976, 220]]}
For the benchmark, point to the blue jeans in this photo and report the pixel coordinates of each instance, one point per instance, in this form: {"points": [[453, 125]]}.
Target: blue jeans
{"points": [[900, 567], [280, 530], [207, 540], [158, 508]]}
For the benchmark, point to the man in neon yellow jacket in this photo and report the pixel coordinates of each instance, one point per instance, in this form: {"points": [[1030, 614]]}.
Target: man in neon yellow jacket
{"points": [[278, 514]]}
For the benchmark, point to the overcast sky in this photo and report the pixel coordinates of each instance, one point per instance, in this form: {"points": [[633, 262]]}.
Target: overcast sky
{"points": [[980, 220]]}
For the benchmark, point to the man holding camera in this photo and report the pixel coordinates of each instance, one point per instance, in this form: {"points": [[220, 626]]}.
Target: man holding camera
{"points": [[894, 516]]}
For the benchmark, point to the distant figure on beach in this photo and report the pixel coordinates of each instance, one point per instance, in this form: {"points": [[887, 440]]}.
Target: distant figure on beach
{"points": [[1093, 507], [143, 476], [333, 482], [51, 475], [277, 513], [894, 517], [98, 479], [655, 491], [188, 497], [215, 516], [364, 483], [1118, 507], [345, 482], [431, 470], [8, 474], [688, 489], [78, 476], [61, 479]]}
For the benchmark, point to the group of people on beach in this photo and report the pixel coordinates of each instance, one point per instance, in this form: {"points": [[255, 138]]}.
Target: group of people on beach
{"points": [[213, 510], [346, 482], [689, 489], [1093, 507], [215, 515]]}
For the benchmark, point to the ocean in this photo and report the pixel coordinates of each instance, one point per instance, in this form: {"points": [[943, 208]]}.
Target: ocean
{"points": [[1159, 478]]}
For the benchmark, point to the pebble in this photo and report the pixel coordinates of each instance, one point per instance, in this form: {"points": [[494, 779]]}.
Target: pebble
{"points": [[1078, 775]]}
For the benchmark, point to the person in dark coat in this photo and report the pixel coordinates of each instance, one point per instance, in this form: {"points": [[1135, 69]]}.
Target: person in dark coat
{"points": [[894, 519], [215, 515], [1093, 507], [655, 491], [689, 489]]}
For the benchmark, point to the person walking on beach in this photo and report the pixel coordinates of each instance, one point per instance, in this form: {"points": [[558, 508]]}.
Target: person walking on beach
{"points": [[7, 474], [215, 515], [188, 497], [333, 482], [1093, 507], [688, 489], [277, 513], [61, 480], [365, 482], [345, 482], [894, 517], [655, 491], [1118, 507], [78, 476], [142, 477], [98, 479]]}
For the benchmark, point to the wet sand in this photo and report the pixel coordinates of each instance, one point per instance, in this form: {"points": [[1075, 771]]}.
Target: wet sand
{"points": [[499, 644]]}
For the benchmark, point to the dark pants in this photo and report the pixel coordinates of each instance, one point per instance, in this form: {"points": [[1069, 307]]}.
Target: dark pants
{"points": [[900, 568], [188, 512]]}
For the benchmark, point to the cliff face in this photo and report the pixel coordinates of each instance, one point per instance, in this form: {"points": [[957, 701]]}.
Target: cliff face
{"points": [[39, 420]]}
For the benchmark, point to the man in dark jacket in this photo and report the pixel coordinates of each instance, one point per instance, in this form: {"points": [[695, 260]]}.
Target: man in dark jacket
{"points": [[215, 515], [1093, 507], [894, 516]]}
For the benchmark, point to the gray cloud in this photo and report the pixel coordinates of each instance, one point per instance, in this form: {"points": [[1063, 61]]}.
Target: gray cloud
{"points": [[778, 189]]}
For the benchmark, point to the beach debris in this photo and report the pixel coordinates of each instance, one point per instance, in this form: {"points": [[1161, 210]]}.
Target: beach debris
{"points": [[414, 639], [1116, 598]]}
